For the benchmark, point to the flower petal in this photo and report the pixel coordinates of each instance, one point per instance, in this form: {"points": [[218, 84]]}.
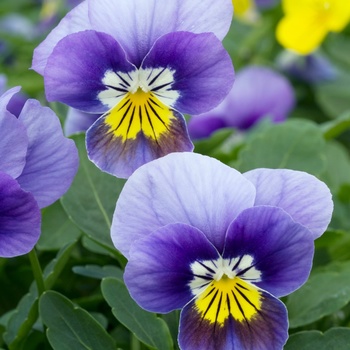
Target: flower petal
{"points": [[138, 24], [158, 273], [20, 218], [77, 79], [14, 144], [135, 132], [78, 121], [302, 32], [6, 97], [52, 159], [272, 97], [304, 197], [201, 79], [75, 21], [201, 329], [282, 249], [180, 187]]}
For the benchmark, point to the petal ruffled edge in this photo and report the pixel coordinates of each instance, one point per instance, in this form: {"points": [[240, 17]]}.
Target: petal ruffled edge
{"points": [[307, 199]]}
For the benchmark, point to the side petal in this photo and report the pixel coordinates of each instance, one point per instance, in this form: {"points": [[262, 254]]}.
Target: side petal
{"points": [[201, 78], [20, 219], [181, 187], [138, 24], [281, 250], [267, 329], [128, 137], [76, 78], [75, 21], [158, 272], [14, 144], [307, 199], [52, 160]]}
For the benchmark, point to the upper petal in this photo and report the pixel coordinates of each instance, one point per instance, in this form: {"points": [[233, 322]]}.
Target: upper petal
{"points": [[307, 199], [280, 249], [158, 272], [180, 187], [19, 218], [138, 24], [75, 21], [202, 78], [52, 159], [76, 78]]}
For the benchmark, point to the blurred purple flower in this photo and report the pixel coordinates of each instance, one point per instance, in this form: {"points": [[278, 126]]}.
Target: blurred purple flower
{"points": [[313, 68], [77, 121], [258, 92], [265, 4], [220, 245], [147, 63], [37, 166]]}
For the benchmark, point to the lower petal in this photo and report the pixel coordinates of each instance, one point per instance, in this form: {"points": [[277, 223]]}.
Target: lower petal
{"points": [[139, 129], [236, 317], [20, 219]]}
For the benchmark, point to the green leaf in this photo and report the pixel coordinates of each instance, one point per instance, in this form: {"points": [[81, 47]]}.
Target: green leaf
{"points": [[53, 270], [147, 327], [26, 314], [334, 96], [71, 327], [21, 322], [335, 127], [326, 291], [99, 272], [295, 144], [338, 166], [333, 339], [91, 199], [57, 229]]}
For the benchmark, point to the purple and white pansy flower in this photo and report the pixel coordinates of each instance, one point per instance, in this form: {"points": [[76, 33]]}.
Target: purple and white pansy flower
{"points": [[37, 166], [140, 64], [220, 245]]}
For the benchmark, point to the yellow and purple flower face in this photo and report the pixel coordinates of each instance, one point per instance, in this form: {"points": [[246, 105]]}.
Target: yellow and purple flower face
{"points": [[220, 245], [37, 166], [307, 22], [141, 64]]}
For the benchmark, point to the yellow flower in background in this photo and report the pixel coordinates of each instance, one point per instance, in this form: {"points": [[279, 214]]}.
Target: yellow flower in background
{"points": [[307, 22], [241, 7]]}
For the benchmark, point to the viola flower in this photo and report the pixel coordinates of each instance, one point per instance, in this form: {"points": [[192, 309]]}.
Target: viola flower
{"points": [[140, 64], [259, 92], [37, 165], [307, 22], [220, 245], [313, 68]]}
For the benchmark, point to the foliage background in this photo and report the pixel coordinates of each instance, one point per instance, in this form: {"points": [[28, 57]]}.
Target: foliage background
{"points": [[86, 305]]}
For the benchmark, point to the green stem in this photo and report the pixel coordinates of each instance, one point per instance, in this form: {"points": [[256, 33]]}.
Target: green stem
{"points": [[37, 272], [135, 343]]}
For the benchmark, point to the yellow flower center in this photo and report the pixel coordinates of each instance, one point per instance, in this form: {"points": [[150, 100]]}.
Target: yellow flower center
{"points": [[229, 297]]}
